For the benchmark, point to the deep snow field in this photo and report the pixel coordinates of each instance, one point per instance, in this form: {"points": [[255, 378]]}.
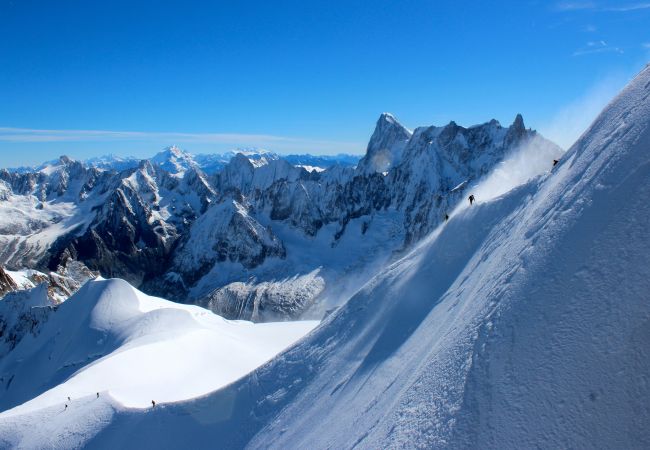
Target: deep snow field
{"points": [[522, 322], [131, 348]]}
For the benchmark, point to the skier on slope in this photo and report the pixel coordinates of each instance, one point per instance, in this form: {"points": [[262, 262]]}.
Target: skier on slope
{"points": [[471, 199]]}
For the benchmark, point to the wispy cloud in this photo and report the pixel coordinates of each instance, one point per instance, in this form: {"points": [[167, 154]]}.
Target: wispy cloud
{"points": [[574, 6], [564, 6], [646, 45], [594, 47], [628, 7], [17, 135]]}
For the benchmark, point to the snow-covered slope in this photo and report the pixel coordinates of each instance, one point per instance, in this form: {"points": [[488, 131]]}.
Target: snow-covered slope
{"points": [[132, 348], [520, 323]]}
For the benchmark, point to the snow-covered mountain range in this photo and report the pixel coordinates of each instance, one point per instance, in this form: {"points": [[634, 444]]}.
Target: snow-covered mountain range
{"points": [[262, 238], [520, 322], [174, 159]]}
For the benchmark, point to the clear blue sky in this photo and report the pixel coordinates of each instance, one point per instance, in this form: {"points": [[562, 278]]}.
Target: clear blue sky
{"points": [[131, 77]]}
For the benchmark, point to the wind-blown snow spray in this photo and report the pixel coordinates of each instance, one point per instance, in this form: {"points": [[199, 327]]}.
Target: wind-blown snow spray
{"points": [[534, 157]]}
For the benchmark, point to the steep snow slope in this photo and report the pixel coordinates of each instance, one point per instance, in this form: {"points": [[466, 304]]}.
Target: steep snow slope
{"points": [[521, 323], [132, 348]]}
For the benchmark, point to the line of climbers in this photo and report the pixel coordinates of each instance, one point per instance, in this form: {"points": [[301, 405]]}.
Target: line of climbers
{"points": [[153, 402]]}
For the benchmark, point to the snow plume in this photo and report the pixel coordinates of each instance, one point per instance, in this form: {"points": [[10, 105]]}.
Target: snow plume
{"points": [[532, 158], [573, 119]]}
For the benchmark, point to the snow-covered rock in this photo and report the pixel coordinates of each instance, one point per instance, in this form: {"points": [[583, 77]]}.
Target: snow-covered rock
{"points": [[7, 283], [267, 301], [22, 312], [174, 160], [113, 162], [225, 233]]}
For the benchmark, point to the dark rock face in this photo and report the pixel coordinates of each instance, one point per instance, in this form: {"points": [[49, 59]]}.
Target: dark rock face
{"points": [[7, 284], [123, 240], [135, 230]]}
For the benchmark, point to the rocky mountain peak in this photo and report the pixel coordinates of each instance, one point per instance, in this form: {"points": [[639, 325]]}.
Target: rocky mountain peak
{"points": [[517, 131], [7, 284], [65, 160], [386, 145], [174, 160], [518, 124]]}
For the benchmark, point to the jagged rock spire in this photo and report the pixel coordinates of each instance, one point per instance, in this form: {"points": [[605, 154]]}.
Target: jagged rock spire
{"points": [[385, 146]]}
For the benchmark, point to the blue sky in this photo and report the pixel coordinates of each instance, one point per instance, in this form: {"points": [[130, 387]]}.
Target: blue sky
{"points": [[86, 78]]}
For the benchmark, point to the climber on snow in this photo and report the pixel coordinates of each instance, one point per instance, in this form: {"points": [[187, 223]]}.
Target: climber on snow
{"points": [[471, 199], [555, 161], [153, 404]]}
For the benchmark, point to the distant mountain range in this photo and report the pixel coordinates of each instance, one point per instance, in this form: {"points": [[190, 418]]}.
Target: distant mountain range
{"points": [[174, 160]]}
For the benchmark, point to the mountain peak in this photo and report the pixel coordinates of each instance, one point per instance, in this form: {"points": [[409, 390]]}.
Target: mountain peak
{"points": [[174, 160], [64, 159], [386, 145], [173, 151], [388, 119], [518, 124]]}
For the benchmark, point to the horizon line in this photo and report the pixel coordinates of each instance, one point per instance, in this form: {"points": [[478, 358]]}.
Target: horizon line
{"points": [[242, 140]]}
